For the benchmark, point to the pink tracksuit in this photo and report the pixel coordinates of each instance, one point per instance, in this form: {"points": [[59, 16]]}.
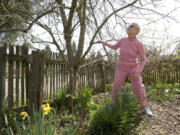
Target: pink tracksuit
{"points": [[127, 65]]}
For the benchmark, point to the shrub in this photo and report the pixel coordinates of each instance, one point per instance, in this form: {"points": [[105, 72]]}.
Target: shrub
{"points": [[84, 101], [60, 101], [108, 87], [70, 124]]}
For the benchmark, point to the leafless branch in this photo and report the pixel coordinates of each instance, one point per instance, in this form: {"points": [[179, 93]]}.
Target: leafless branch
{"points": [[103, 23], [30, 25]]}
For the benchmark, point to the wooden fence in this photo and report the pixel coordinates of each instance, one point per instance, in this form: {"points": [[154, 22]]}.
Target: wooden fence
{"points": [[14, 71], [167, 71], [26, 77]]}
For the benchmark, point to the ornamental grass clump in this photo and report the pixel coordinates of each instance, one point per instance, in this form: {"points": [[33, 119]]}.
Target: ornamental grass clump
{"points": [[116, 119]]}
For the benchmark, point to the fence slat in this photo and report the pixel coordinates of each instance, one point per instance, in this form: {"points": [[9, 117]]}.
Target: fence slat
{"points": [[47, 80], [17, 78], [2, 77], [27, 74], [11, 78], [62, 84], [50, 75], [54, 70], [22, 77], [57, 75], [63, 76]]}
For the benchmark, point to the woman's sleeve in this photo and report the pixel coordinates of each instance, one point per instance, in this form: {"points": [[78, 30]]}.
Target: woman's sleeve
{"points": [[142, 55], [114, 47]]}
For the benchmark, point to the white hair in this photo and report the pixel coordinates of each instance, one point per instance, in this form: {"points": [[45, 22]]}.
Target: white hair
{"points": [[135, 25]]}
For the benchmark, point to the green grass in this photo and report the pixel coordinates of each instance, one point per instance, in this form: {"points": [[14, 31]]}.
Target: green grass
{"points": [[163, 92]]}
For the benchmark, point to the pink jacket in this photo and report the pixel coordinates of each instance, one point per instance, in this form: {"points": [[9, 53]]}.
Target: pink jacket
{"points": [[130, 49]]}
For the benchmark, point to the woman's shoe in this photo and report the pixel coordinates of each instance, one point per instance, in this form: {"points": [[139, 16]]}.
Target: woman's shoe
{"points": [[148, 111]]}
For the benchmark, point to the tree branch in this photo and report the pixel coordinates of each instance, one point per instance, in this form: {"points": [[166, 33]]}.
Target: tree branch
{"points": [[96, 23], [53, 38], [103, 23], [30, 25], [63, 15], [163, 15]]}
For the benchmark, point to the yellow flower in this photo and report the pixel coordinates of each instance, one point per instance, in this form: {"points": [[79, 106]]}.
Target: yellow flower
{"points": [[24, 115], [47, 105], [46, 108], [43, 106]]}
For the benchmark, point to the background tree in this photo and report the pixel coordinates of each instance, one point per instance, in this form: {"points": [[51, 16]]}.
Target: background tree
{"points": [[11, 21]]}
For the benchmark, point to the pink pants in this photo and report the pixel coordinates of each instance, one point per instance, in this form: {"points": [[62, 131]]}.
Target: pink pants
{"points": [[137, 85]]}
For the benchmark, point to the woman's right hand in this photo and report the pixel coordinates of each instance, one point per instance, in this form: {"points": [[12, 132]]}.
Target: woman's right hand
{"points": [[136, 76]]}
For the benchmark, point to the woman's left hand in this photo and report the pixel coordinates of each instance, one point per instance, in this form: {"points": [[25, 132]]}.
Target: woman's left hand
{"points": [[136, 76]]}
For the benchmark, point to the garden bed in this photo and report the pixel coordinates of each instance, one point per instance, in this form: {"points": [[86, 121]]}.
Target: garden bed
{"points": [[163, 100]]}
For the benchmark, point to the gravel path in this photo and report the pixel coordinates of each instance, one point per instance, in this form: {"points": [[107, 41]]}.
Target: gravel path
{"points": [[166, 120]]}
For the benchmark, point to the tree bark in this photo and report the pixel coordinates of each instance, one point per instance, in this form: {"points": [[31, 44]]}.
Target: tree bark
{"points": [[72, 86]]}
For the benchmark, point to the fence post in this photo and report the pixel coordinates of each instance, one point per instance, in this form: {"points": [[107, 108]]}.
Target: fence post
{"points": [[36, 81], [10, 77], [2, 78], [1, 82], [92, 74], [102, 75]]}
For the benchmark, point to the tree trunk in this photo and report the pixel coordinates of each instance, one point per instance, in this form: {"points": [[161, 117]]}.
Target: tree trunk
{"points": [[72, 89]]}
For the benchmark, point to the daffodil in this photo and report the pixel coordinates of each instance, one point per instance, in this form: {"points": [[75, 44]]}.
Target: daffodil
{"points": [[43, 106], [46, 108], [24, 115]]}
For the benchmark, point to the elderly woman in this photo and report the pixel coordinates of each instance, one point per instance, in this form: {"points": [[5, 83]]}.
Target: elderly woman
{"points": [[127, 65]]}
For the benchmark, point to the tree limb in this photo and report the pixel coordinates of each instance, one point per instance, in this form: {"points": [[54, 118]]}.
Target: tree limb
{"points": [[30, 25], [53, 38], [63, 15], [96, 23], [103, 23]]}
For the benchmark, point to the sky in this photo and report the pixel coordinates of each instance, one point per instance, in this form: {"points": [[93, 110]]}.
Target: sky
{"points": [[162, 32]]}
